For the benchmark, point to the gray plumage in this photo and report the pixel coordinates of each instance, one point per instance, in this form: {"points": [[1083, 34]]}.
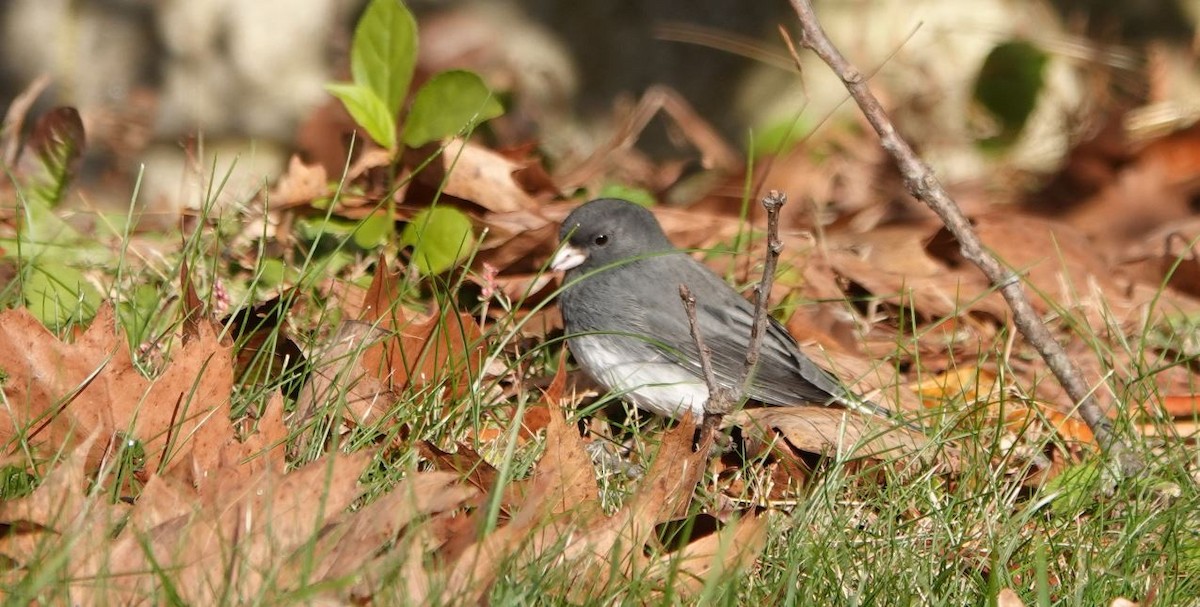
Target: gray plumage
{"points": [[627, 327]]}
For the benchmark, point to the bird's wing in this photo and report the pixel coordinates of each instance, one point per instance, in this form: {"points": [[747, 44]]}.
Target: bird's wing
{"points": [[784, 375]]}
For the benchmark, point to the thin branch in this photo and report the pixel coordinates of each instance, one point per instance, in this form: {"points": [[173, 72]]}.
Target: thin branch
{"points": [[772, 202], [923, 185], [719, 400]]}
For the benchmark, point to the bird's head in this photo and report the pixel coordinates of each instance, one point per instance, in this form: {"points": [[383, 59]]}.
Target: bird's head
{"points": [[606, 231]]}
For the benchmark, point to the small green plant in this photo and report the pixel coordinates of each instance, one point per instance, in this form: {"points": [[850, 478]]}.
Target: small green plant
{"points": [[382, 58], [49, 250]]}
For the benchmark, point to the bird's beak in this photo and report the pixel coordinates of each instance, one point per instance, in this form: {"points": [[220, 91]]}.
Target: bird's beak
{"points": [[567, 257]]}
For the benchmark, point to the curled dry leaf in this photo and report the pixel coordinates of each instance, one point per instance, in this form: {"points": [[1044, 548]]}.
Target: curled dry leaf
{"points": [[339, 375], [441, 350], [829, 431], [477, 174], [300, 185], [729, 550]]}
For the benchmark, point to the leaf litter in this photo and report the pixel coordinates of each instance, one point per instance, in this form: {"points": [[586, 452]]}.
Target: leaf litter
{"points": [[230, 509]]}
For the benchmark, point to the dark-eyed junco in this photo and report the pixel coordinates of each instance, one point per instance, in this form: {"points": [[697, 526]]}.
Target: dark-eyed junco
{"points": [[627, 327]]}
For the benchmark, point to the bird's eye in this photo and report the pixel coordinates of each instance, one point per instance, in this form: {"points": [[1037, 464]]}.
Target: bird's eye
{"points": [[601, 240]]}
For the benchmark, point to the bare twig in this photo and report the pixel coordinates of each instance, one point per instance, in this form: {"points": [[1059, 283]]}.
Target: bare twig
{"points": [[719, 399], [923, 185], [772, 202], [715, 153]]}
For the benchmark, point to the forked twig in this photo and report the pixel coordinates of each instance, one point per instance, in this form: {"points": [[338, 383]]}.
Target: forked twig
{"points": [[719, 400], [772, 202], [923, 185]]}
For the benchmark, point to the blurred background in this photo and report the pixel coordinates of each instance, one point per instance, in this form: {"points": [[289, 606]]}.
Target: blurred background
{"points": [[976, 85]]}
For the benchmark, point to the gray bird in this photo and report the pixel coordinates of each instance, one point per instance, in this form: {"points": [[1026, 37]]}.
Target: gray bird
{"points": [[626, 325]]}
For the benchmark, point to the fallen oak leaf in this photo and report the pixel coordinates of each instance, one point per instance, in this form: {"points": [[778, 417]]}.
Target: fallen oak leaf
{"points": [[59, 391], [615, 545], [58, 500], [64, 520], [470, 467], [229, 540], [356, 538]]}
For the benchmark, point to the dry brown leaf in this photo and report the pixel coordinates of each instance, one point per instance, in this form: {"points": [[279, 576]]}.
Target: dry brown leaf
{"points": [[565, 471], [198, 385], [616, 545], [14, 119], [162, 499], [559, 499], [1062, 267], [481, 176], [300, 185], [59, 393], [269, 439], [357, 538], [732, 549], [441, 350], [192, 307], [830, 431], [591, 545], [520, 241], [60, 390], [469, 466], [339, 374], [892, 264], [228, 545], [54, 507], [1018, 418], [967, 382], [1183, 405]]}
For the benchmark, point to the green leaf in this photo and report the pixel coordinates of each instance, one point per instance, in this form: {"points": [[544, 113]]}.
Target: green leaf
{"points": [[137, 311], [639, 196], [368, 111], [450, 103], [55, 293], [41, 231], [373, 231], [271, 272], [440, 237], [778, 138], [56, 147], [1074, 489], [1008, 87], [384, 52]]}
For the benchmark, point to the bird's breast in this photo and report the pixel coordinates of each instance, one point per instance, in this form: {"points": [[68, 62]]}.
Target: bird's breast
{"points": [[632, 369]]}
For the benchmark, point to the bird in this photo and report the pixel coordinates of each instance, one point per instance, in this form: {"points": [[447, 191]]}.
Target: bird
{"points": [[626, 326]]}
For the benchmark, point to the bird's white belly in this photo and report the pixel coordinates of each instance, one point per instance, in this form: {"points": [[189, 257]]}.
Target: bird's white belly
{"points": [[653, 383]]}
